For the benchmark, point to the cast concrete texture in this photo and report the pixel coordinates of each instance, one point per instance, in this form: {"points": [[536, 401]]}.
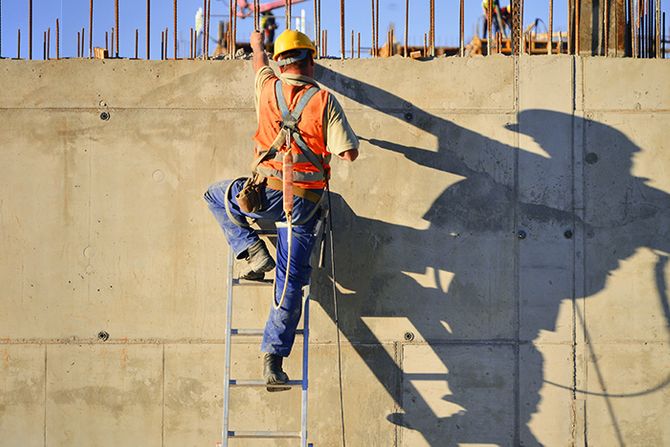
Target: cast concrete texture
{"points": [[558, 338]]}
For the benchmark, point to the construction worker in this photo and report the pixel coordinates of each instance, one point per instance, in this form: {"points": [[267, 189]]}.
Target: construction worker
{"points": [[501, 17], [268, 25], [317, 131]]}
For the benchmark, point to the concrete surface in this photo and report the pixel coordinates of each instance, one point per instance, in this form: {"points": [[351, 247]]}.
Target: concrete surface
{"points": [[501, 244]]}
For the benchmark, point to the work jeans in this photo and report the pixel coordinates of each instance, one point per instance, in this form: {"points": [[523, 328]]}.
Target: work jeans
{"points": [[279, 333]]}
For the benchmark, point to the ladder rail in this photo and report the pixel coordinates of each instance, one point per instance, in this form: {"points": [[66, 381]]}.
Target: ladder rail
{"points": [[228, 348]]}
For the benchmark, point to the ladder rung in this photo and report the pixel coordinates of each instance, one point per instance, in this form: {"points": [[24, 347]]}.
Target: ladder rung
{"points": [[237, 282], [290, 383], [256, 332], [263, 434]]}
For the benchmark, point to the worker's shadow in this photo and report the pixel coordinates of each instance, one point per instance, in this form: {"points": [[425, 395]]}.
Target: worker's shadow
{"points": [[476, 293]]}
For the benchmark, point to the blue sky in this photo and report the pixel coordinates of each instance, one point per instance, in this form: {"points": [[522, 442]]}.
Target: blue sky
{"points": [[73, 15]]}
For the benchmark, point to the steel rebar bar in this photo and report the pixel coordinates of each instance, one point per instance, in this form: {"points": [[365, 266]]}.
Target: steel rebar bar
{"points": [[44, 47], [175, 28], [352, 43], [234, 28], [431, 28], [48, 43], [116, 27], [658, 28], [111, 42], [57, 39], [204, 25], [377, 27], [406, 39], [316, 28], [78, 44], [359, 43], [18, 43], [374, 43], [162, 45], [461, 33], [137, 40], [209, 23], [550, 31], [90, 29], [190, 45], [167, 41], [83, 42], [578, 33], [489, 26], [342, 30], [148, 30], [107, 42], [30, 30]]}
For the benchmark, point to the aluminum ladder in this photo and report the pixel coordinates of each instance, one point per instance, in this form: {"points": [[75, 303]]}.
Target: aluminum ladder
{"points": [[317, 259]]}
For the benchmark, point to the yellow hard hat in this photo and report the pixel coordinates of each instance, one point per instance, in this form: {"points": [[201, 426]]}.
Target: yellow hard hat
{"points": [[293, 40]]}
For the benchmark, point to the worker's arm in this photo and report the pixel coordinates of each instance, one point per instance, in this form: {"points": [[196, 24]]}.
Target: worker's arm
{"points": [[340, 137], [259, 59]]}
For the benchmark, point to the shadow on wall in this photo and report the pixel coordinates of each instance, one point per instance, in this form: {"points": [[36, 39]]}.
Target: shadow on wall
{"points": [[471, 322]]}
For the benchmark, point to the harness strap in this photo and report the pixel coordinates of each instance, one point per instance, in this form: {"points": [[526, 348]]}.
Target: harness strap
{"points": [[276, 184]]}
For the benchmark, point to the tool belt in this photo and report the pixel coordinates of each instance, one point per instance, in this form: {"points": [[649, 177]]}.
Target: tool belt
{"points": [[250, 197], [276, 184]]}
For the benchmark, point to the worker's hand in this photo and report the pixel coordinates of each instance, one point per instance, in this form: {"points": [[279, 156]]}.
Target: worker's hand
{"points": [[256, 41]]}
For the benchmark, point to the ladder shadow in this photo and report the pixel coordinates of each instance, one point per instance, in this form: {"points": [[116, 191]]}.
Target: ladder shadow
{"points": [[481, 335]]}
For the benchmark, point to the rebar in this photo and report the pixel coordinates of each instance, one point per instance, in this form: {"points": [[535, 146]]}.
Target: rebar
{"points": [[175, 28], [30, 30], [461, 35], [111, 42], [406, 40], [425, 45], [44, 46], [342, 31], [204, 26], [578, 33], [49, 43], [116, 27], [377, 27], [83, 42], [137, 41], [78, 44], [162, 45], [18, 43], [489, 26], [90, 29], [517, 29], [190, 45], [234, 28], [606, 28], [550, 32], [106, 42], [57, 39], [374, 42], [658, 28], [432, 28], [359, 42], [166, 41], [148, 30], [209, 21], [352, 43]]}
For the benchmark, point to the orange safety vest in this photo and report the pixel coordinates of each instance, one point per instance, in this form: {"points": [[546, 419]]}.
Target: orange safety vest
{"points": [[307, 172]]}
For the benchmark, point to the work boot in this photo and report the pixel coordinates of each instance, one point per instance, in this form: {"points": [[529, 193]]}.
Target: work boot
{"points": [[273, 373], [258, 262]]}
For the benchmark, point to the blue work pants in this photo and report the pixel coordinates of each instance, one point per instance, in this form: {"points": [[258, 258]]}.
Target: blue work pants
{"points": [[279, 333]]}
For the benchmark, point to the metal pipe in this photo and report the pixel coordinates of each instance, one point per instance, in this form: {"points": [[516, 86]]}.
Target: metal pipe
{"points": [[406, 28], [461, 38], [148, 29], [57, 39], [175, 28], [342, 30], [90, 29], [30, 30], [137, 38], [118, 30]]}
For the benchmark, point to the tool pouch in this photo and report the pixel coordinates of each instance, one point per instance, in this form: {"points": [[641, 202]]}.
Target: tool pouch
{"points": [[250, 197]]}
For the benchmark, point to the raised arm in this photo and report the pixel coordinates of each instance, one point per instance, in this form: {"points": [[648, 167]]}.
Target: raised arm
{"points": [[260, 59]]}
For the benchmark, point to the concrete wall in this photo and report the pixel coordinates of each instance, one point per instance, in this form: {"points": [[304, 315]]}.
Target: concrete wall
{"points": [[502, 250]]}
